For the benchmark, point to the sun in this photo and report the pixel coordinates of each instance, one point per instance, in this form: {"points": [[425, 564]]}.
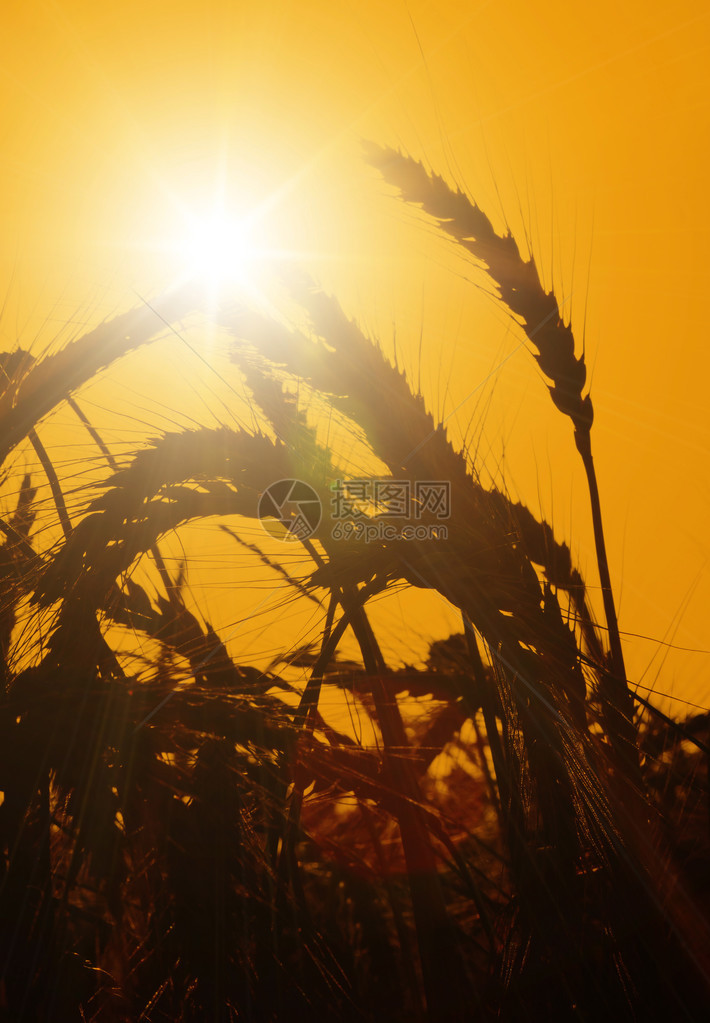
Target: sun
{"points": [[226, 237], [212, 238], [219, 249], [225, 252]]}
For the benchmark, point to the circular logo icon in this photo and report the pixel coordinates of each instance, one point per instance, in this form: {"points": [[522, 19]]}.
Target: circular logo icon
{"points": [[291, 505]]}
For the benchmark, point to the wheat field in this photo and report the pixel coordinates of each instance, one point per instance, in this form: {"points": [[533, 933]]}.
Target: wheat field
{"points": [[189, 837], [353, 503]]}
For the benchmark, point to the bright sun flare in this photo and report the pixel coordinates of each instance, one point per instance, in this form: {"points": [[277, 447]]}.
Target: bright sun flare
{"points": [[218, 249], [224, 247], [224, 252]]}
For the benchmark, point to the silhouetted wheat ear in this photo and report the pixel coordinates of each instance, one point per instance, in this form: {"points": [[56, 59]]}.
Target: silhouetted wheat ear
{"points": [[30, 389], [520, 288], [517, 280]]}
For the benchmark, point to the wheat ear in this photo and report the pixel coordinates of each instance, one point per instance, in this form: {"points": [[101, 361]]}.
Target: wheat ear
{"points": [[519, 286], [30, 389]]}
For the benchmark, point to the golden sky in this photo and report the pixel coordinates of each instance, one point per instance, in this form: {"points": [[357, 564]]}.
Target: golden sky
{"points": [[584, 125]]}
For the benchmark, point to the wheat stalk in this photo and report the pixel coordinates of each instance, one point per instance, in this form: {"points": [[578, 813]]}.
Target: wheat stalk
{"points": [[519, 286], [33, 388]]}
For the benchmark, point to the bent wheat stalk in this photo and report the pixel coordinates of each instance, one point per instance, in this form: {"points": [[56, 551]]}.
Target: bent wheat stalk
{"points": [[30, 389]]}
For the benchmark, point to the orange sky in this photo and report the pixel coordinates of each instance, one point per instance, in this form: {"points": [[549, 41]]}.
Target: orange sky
{"points": [[585, 125]]}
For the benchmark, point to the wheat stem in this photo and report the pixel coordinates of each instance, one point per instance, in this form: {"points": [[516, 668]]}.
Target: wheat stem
{"points": [[619, 705], [53, 481]]}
